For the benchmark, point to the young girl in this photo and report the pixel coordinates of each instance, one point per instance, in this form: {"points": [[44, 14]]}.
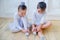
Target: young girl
{"points": [[20, 21], [39, 20]]}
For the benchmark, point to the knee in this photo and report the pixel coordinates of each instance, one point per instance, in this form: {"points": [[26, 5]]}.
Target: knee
{"points": [[14, 30], [49, 23]]}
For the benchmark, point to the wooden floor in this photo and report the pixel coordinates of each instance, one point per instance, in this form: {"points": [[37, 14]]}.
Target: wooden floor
{"points": [[52, 33]]}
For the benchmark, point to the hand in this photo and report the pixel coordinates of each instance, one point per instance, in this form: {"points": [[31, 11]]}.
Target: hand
{"points": [[25, 31], [34, 29], [38, 28]]}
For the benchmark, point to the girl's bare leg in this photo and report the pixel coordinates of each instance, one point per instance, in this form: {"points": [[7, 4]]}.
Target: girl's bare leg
{"points": [[46, 25], [40, 34]]}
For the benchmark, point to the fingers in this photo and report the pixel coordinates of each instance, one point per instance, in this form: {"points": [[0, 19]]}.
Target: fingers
{"points": [[34, 29], [38, 28]]}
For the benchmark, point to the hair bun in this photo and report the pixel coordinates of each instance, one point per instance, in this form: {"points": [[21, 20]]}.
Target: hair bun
{"points": [[22, 3]]}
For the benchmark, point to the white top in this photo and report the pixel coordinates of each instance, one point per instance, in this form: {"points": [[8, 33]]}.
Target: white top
{"points": [[39, 18], [19, 23]]}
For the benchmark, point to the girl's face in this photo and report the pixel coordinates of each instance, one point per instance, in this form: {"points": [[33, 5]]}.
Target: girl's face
{"points": [[40, 10], [21, 12]]}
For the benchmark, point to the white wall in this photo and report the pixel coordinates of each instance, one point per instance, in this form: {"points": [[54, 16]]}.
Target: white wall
{"points": [[53, 9], [9, 7]]}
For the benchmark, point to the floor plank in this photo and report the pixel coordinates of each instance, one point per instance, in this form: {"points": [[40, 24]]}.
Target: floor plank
{"points": [[52, 33]]}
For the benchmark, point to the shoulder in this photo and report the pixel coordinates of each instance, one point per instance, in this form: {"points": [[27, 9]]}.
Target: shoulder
{"points": [[16, 15]]}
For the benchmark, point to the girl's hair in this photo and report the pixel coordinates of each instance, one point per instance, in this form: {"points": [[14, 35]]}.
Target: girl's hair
{"points": [[22, 6], [41, 5]]}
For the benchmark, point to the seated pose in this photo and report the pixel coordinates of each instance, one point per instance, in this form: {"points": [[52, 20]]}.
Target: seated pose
{"points": [[20, 20], [39, 20]]}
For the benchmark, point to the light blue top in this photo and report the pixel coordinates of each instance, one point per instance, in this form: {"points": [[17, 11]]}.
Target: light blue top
{"points": [[39, 18], [20, 22]]}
